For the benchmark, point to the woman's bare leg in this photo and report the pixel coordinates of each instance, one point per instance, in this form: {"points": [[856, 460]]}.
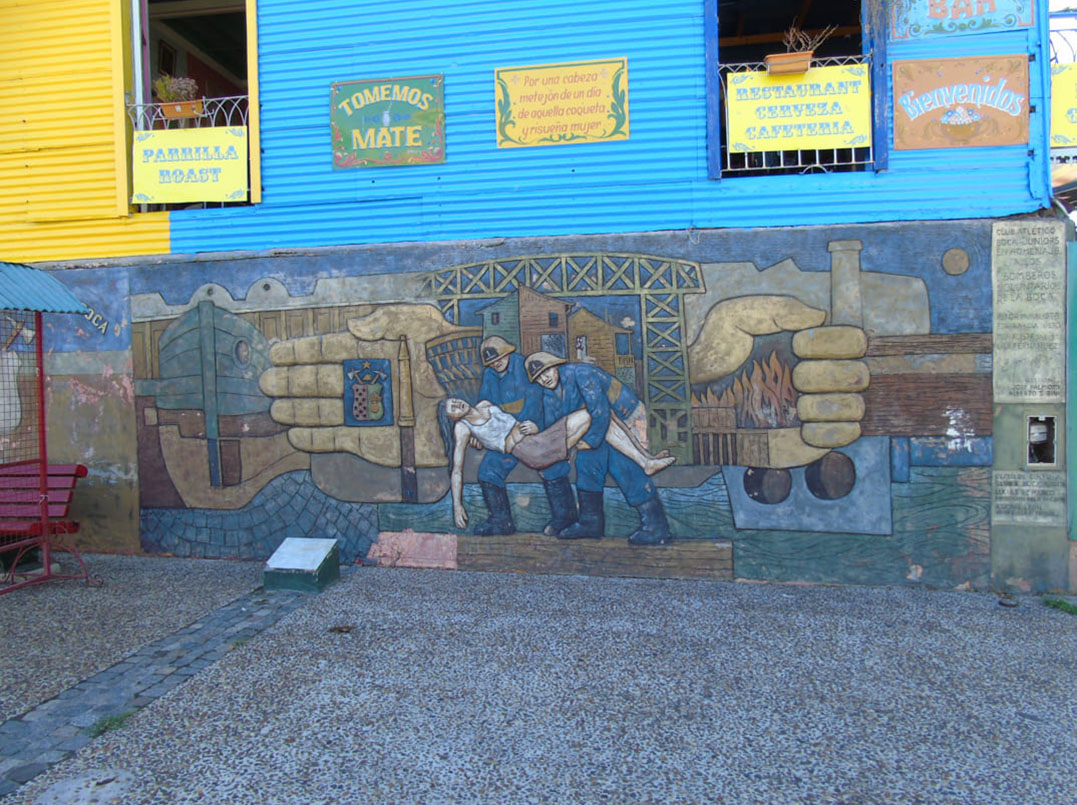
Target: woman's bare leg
{"points": [[621, 440], [631, 434]]}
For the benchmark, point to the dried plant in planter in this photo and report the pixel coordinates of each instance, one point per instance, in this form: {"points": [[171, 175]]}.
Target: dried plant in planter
{"points": [[797, 40], [800, 46]]}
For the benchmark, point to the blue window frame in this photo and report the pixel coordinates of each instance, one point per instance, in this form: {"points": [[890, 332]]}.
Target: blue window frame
{"points": [[751, 31]]}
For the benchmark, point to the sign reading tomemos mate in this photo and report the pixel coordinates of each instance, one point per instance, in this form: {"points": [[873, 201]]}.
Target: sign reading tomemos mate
{"points": [[557, 104], [953, 103], [388, 121], [182, 165], [825, 107]]}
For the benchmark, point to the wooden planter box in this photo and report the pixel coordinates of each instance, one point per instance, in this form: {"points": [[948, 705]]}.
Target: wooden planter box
{"points": [[180, 109], [788, 63]]}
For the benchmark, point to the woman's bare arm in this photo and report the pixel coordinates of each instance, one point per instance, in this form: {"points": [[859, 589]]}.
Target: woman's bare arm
{"points": [[462, 434]]}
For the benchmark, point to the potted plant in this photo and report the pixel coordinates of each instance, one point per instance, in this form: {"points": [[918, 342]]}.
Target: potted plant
{"points": [[800, 46], [178, 96]]}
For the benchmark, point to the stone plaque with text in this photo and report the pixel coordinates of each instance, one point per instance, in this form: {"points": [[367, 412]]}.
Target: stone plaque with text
{"points": [[1029, 272], [1028, 498]]}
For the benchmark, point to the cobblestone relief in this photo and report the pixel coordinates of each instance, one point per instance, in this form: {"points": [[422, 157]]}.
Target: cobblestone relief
{"points": [[289, 506]]}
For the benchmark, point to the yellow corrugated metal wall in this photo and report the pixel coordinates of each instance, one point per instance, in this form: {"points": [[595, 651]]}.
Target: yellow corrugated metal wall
{"points": [[63, 141]]}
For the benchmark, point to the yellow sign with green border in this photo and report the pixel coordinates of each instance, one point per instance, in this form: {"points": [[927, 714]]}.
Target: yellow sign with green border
{"points": [[1063, 105], [559, 104], [186, 165], [825, 107]]}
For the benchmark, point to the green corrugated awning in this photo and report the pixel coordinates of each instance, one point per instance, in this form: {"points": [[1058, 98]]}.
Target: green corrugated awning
{"points": [[26, 288]]}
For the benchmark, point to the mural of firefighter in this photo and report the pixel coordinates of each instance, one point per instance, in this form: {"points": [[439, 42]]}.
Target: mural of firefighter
{"points": [[789, 411]]}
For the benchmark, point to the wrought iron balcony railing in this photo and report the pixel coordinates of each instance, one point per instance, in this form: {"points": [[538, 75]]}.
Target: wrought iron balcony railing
{"points": [[228, 111], [817, 160]]}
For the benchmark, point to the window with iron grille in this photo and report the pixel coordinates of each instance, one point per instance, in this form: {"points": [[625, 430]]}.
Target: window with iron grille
{"points": [[741, 34], [809, 160], [190, 63]]}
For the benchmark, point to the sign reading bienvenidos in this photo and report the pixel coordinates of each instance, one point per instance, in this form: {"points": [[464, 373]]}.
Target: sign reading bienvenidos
{"points": [[825, 107], [558, 104], [964, 102], [388, 121], [185, 165]]}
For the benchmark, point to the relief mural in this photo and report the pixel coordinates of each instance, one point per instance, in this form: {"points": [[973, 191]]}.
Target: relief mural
{"points": [[580, 411]]}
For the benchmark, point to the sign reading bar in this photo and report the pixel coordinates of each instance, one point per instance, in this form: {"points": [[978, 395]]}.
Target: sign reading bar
{"points": [[556, 104], [954, 103], [1063, 105], [911, 19], [826, 107], [388, 121], [183, 165]]}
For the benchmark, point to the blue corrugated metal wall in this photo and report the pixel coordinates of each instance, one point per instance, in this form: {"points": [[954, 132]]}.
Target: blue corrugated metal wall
{"points": [[655, 180]]}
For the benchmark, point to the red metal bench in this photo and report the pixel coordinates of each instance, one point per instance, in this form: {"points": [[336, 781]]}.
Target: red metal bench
{"points": [[31, 517]]}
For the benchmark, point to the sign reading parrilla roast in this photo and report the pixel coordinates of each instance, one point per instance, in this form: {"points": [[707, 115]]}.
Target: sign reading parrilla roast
{"points": [[953, 103], [826, 107], [388, 121], [181, 165]]}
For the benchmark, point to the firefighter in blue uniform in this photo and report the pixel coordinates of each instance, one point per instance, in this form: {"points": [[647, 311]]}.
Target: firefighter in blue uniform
{"points": [[505, 383], [567, 387]]}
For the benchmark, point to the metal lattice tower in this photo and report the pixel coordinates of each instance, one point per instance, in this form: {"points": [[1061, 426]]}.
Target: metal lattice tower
{"points": [[659, 282]]}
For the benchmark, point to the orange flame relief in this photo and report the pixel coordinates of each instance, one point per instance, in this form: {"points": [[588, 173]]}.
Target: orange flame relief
{"points": [[763, 396]]}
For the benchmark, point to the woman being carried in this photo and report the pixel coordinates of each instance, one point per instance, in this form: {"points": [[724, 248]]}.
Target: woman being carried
{"points": [[494, 429]]}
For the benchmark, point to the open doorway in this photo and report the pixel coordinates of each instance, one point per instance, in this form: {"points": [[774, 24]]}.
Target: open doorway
{"points": [[195, 68], [748, 30], [201, 40]]}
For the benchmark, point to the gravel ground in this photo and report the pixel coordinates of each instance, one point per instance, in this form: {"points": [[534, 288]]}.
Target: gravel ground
{"points": [[57, 633], [439, 686]]}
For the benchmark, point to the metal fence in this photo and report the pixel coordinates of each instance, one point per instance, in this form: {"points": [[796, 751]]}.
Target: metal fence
{"points": [[769, 163], [228, 111]]}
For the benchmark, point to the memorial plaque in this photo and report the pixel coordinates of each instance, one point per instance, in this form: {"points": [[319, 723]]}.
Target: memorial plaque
{"points": [[1028, 498], [1029, 273]]}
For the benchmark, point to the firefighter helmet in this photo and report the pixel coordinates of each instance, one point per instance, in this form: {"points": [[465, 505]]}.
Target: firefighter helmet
{"points": [[539, 362], [493, 348]]}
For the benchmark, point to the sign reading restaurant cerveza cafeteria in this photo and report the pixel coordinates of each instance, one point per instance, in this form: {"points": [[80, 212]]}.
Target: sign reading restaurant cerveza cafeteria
{"points": [[188, 165], [953, 103], [380, 122], [563, 103], [825, 107]]}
